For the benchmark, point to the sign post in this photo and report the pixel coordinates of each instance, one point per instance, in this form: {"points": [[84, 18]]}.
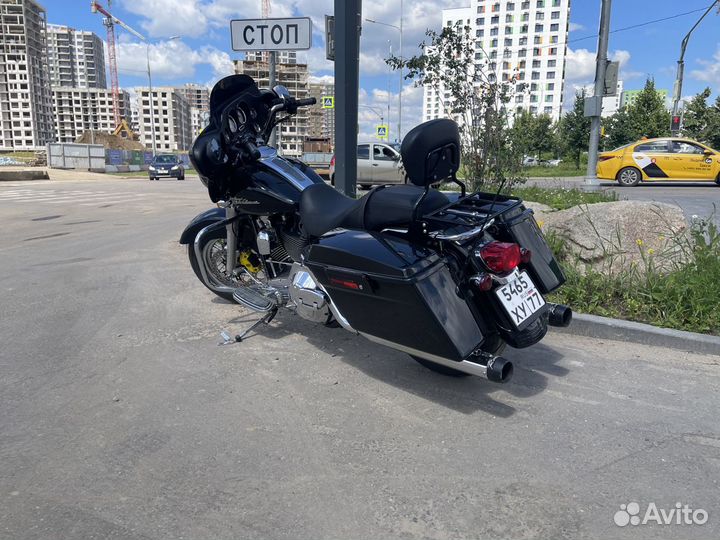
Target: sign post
{"points": [[382, 131]]}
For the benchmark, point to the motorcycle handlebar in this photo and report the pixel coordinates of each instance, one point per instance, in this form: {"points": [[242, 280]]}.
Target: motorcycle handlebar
{"points": [[306, 102], [250, 149]]}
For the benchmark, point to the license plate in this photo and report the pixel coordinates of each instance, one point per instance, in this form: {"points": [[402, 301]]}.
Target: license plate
{"points": [[520, 298]]}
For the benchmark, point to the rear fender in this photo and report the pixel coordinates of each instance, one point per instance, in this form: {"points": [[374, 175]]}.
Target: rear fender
{"points": [[199, 222]]}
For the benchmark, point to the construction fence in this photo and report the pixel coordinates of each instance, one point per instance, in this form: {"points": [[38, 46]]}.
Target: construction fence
{"points": [[95, 157]]}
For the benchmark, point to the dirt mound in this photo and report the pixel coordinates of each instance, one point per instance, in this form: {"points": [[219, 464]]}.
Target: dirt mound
{"points": [[110, 141]]}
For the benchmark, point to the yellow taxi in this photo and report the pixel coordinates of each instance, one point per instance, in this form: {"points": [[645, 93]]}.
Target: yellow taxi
{"points": [[660, 159]]}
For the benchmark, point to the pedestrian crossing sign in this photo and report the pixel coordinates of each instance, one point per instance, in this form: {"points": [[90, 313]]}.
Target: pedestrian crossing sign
{"points": [[382, 131], [328, 102]]}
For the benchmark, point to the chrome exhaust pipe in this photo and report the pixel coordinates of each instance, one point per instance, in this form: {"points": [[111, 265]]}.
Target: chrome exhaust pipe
{"points": [[493, 368], [559, 315]]}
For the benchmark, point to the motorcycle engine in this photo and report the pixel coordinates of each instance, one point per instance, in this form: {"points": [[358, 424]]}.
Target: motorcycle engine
{"points": [[310, 301]]}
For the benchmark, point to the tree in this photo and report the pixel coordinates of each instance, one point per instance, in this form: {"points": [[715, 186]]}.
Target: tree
{"points": [[532, 134], [477, 101], [712, 136], [618, 130], [648, 115], [697, 116], [574, 130]]}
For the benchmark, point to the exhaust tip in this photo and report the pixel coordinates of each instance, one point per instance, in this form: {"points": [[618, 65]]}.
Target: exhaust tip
{"points": [[499, 370], [559, 315]]}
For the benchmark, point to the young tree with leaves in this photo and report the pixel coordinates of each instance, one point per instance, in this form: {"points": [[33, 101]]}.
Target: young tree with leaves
{"points": [[574, 130], [478, 102], [648, 114]]}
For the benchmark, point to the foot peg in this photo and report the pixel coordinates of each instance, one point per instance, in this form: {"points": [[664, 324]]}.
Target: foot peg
{"points": [[252, 298]]}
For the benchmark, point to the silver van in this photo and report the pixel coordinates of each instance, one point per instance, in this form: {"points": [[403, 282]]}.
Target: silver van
{"points": [[377, 164]]}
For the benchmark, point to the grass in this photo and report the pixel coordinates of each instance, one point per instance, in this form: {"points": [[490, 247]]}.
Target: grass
{"points": [[686, 298], [564, 169], [18, 154], [561, 198]]}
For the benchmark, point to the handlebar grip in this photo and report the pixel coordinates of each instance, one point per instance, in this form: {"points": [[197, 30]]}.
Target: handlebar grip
{"points": [[305, 102]]}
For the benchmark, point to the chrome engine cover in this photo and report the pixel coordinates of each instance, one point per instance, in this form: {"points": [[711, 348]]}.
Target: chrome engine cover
{"points": [[310, 301]]}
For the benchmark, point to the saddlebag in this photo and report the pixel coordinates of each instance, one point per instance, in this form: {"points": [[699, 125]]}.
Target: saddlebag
{"points": [[395, 292]]}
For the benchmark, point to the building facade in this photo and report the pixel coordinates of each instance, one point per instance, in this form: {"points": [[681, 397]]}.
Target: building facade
{"points": [[26, 111], [198, 97], [629, 96], [169, 115], [81, 109], [294, 77], [321, 121], [76, 58], [520, 42]]}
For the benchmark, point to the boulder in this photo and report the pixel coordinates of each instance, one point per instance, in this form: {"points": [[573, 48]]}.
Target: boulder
{"points": [[539, 209], [619, 236]]}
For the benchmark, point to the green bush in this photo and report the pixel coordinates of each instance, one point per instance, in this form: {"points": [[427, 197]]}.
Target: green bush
{"points": [[561, 198], [686, 298]]}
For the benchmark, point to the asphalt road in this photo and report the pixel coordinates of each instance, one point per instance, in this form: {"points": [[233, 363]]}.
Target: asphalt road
{"points": [[123, 419], [700, 199]]}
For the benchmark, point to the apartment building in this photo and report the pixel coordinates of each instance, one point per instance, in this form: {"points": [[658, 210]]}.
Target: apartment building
{"points": [[80, 109], [520, 42], [76, 58], [26, 114], [294, 76], [198, 98], [321, 122], [629, 96], [169, 115]]}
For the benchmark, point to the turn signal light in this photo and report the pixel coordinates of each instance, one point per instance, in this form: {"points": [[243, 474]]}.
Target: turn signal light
{"points": [[501, 257], [483, 282], [525, 255]]}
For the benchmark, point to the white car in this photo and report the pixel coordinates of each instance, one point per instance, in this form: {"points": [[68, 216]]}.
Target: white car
{"points": [[377, 164]]}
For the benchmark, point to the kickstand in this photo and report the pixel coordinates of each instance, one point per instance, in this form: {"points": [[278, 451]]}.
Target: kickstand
{"points": [[265, 319]]}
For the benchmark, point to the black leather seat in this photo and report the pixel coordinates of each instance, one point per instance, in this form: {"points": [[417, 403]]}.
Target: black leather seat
{"points": [[323, 208]]}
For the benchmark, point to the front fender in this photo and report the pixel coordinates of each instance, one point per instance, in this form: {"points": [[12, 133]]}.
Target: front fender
{"points": [[201, 221]]}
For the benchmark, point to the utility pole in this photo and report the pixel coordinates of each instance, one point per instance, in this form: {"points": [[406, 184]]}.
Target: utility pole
{"points": [[677, 90], [596, 104], [272, 60], [347, 80]]}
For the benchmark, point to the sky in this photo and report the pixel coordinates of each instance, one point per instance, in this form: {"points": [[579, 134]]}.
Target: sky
{"points": [[203, 53]]}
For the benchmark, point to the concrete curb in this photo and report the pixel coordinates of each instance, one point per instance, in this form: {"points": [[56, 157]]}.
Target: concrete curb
{"points": [[645, 334]]}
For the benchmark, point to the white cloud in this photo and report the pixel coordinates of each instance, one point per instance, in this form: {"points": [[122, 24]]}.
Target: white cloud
{"points": [[575, 26], [710, 72], [165, 18], [321, 79], [171, 60]]}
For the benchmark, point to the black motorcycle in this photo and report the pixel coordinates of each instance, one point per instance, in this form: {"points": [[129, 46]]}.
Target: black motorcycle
{"points": [[448, 279]]}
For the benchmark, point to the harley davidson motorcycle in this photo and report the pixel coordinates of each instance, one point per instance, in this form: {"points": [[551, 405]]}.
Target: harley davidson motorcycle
{"points": [[449, 280]]}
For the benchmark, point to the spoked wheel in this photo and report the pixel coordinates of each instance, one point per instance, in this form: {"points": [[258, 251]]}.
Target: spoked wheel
{"points": [[493, 345], [214, 254]]}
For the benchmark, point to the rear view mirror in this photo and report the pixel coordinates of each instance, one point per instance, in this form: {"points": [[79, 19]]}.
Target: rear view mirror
{"points": [[707, 153]]}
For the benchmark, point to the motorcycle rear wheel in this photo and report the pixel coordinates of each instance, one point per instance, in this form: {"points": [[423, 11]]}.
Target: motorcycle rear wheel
{"points": [[493, 345]]}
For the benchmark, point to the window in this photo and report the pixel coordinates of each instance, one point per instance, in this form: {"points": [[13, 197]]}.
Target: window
{"points": [[493, 55], [508, 42], [510, 6], [478, 56], [535, 75], [538, 27], [553, 39], [547, 110], [555, 15], [521, 65], [682, 147], [493, 66], [525, 17], [520, 87], [540, 4], [550, 74], [480, 21], [496, 6], [654, 147], [548, 98], [554, 27], [537, 51], [481, 9], [383, 153], [533, 98], [495, 19], [539, 16], [508, 30], [533, 110], [524, 29], [525, 5], [523, 41], [363, 151], [553, 51], [506, 65], [479, 33], [494, 43], [550, 86], [552, 63], [522, 52], [533, 87], [556, 3], [537, 40], [521, 76], [536, 63]]}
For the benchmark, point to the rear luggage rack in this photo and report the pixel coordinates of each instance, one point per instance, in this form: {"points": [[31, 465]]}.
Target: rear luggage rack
{"points": [[468, 216]]}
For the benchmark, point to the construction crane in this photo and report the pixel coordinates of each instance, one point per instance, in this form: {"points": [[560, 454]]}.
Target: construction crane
{"points": [[109, 22]]}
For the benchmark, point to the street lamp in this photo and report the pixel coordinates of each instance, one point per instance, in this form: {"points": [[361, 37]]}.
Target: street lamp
{"points": [[399, 29], [150, 94], [677, 91]]}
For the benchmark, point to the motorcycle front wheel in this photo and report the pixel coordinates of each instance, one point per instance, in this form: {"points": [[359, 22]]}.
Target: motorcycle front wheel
{"points": [[214, 254]]}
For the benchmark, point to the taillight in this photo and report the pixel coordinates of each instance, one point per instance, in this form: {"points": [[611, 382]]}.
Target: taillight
{"points": [[604, 158], [332, 161], [501, 257]]}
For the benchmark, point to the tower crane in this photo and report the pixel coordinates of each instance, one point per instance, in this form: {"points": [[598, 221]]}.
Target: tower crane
{"points": [[109, 22]]}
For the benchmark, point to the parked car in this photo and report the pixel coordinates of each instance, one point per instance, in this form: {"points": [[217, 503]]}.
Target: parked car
{"points": [[377, 164], [550, 162], [530, 161], [660, 159], [168, 165]]}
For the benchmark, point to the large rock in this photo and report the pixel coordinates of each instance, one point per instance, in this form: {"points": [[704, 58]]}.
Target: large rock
{"points": [[619, 236]]}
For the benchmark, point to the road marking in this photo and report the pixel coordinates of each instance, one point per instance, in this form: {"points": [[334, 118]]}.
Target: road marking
{"points": [[79, 197]]}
